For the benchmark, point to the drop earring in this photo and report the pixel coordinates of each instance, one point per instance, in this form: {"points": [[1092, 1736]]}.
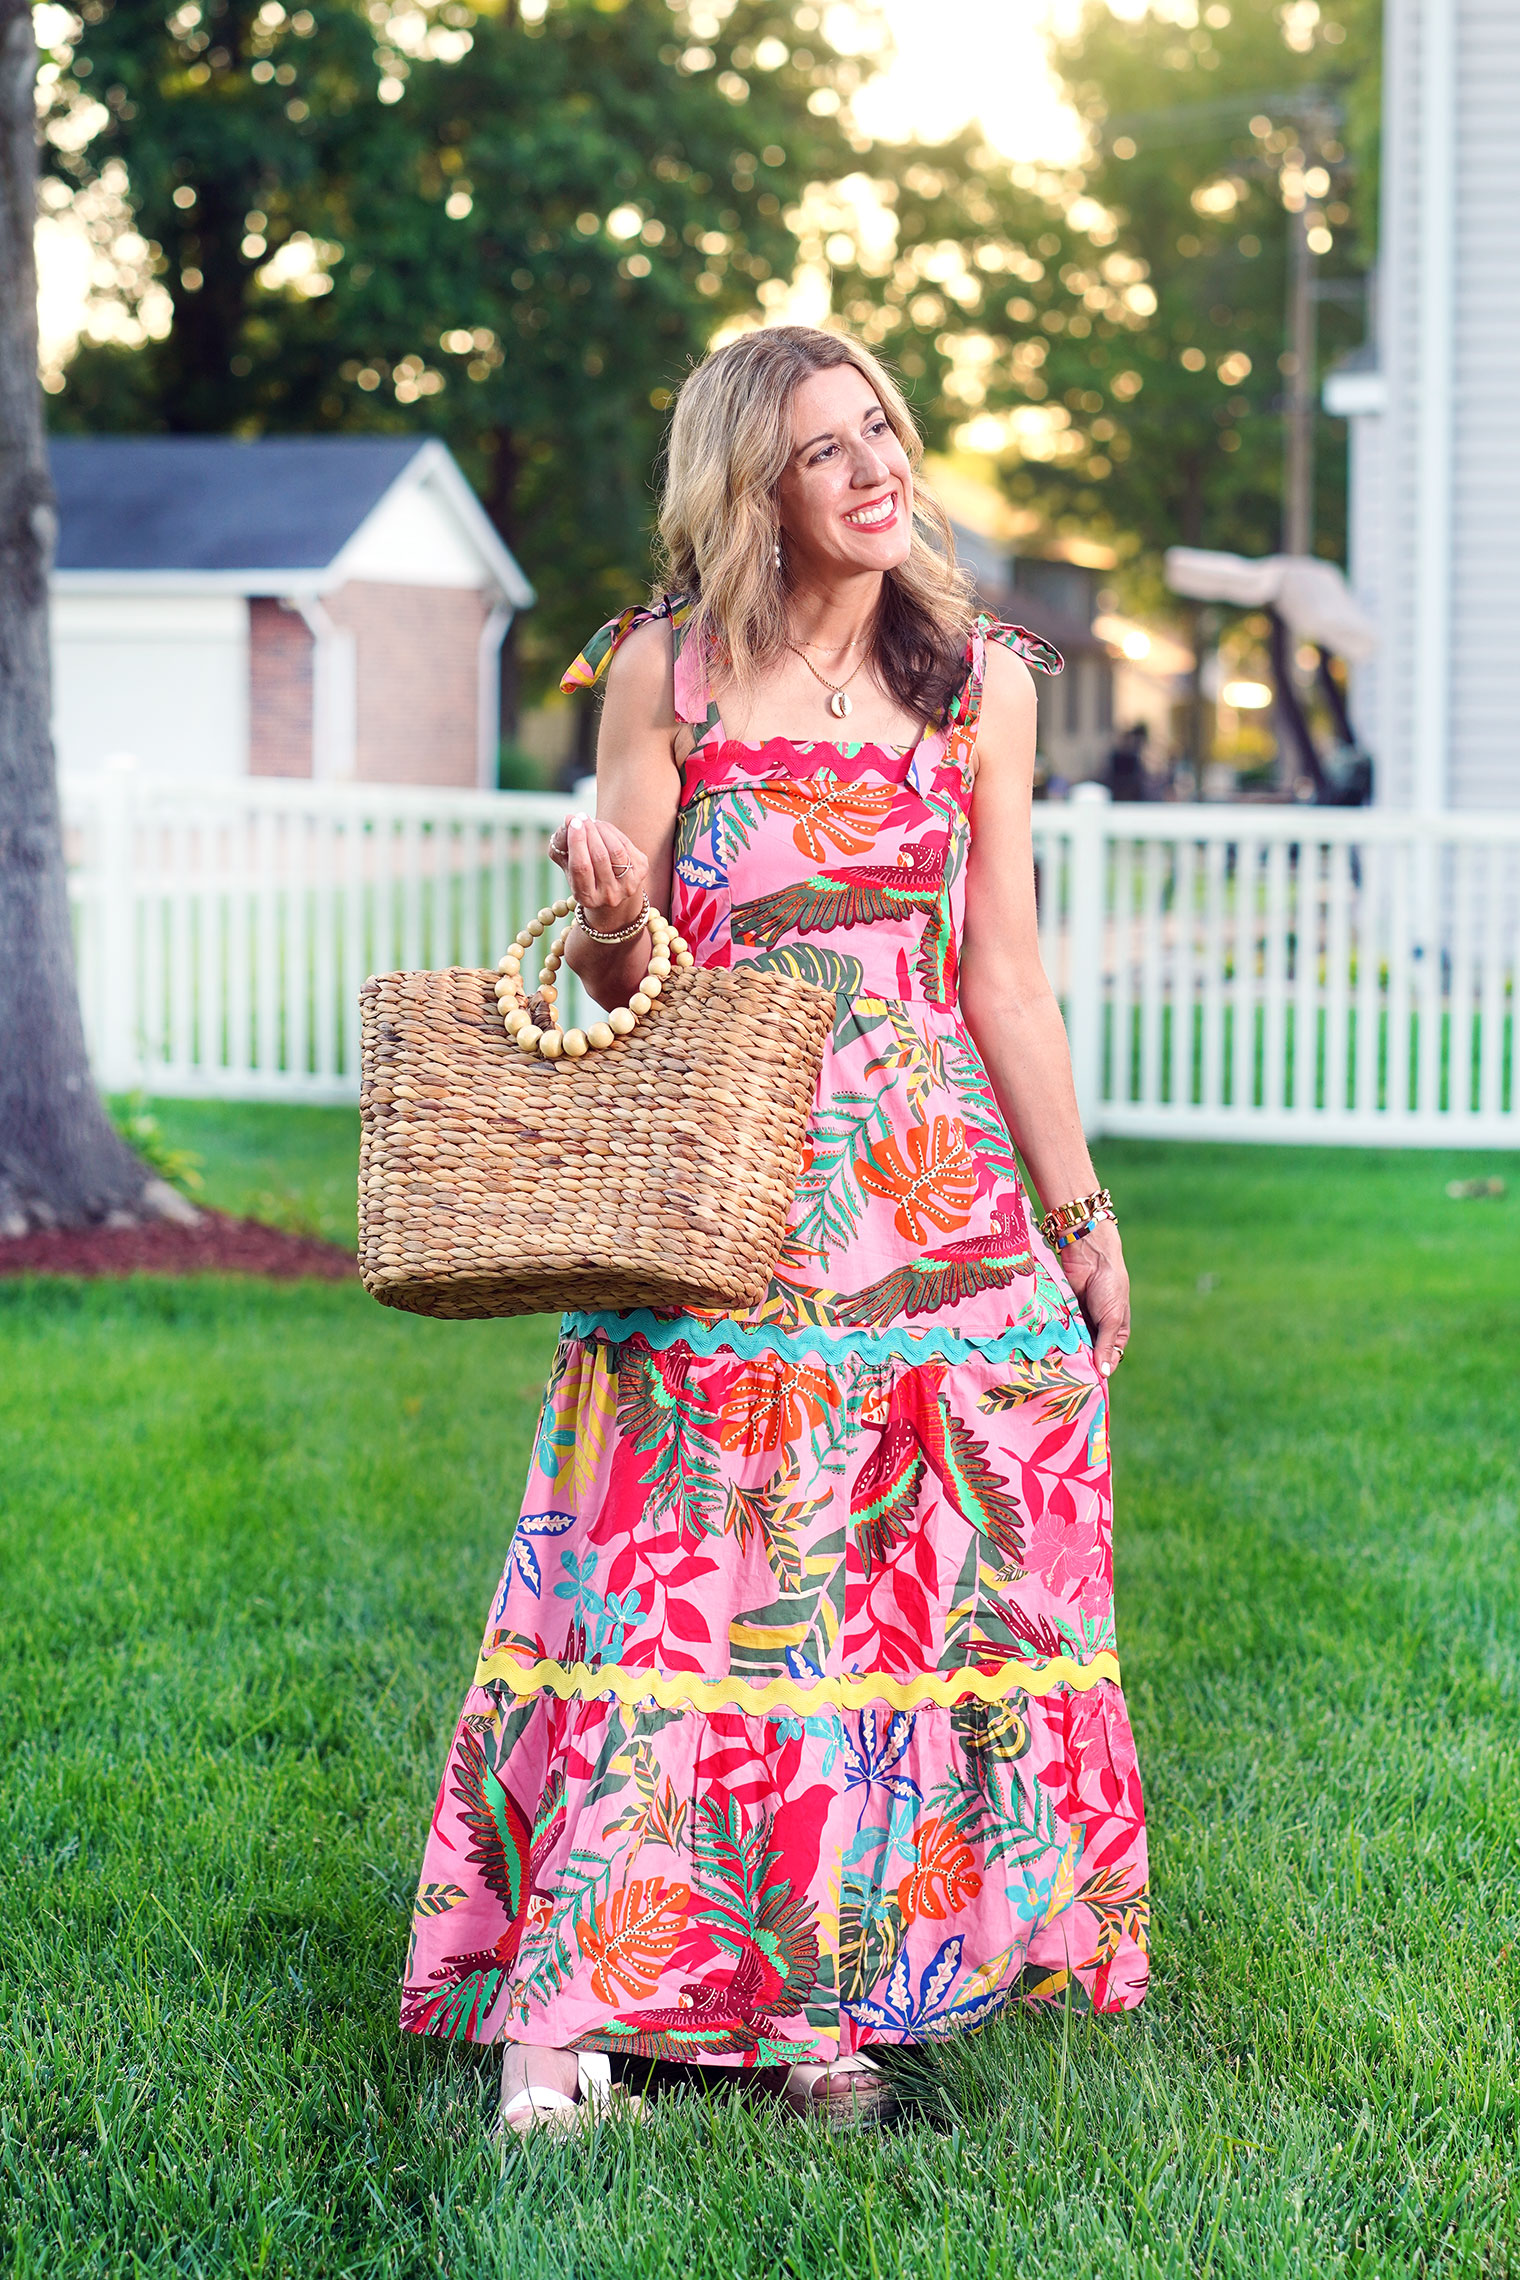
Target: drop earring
{"points": [[776, 554]]}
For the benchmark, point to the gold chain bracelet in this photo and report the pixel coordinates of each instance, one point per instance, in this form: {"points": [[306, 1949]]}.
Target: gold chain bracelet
{"points": [[1060, 1225]]}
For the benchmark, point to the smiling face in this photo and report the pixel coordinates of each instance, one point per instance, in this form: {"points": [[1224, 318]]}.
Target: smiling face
{"points": [[846, 498]]}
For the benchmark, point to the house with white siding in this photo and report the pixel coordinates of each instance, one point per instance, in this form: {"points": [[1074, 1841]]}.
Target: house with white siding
{"points": [[1435, 443], [319, 606]]}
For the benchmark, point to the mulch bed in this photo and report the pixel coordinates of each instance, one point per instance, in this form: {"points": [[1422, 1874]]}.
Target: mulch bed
{"points": [[218, 1246]]}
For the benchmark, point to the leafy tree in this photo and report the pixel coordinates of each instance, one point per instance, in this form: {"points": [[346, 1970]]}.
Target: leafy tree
{"points": [[515, 230], [1170, 425], [1119, 329], [60, 1160]]}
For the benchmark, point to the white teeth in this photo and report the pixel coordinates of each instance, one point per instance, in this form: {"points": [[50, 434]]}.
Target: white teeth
{"points": [[865, 516]]}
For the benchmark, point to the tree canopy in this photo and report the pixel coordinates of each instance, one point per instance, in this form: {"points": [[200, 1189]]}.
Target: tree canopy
{"points": [[1114, 336], [516, 230]]}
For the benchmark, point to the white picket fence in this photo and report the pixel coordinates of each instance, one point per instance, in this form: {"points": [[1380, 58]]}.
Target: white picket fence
{"points": [[1286, 973], [1226, 972], [224, 931]]}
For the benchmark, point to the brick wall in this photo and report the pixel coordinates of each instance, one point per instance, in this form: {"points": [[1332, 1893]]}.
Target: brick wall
{"points": [[279, 691], [418, 680]]}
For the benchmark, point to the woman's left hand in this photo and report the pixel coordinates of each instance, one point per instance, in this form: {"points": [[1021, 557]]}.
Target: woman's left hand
{"points": [[1100, 1280]]}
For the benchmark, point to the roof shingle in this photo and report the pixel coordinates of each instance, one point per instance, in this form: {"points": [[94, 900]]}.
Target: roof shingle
{"points": [[192, 502]]}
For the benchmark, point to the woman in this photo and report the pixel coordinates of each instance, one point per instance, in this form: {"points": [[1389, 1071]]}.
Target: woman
{"points": [[797, 1729]]}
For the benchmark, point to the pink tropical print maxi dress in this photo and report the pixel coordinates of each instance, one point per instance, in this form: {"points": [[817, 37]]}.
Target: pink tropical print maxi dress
{"points": [[797, 1726]]}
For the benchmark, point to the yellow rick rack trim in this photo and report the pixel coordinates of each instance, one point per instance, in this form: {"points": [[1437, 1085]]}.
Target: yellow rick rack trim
{"points": [[681, 1690]]}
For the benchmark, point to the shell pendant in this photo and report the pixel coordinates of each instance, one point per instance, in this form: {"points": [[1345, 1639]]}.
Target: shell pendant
{"points": [[839, 705]]}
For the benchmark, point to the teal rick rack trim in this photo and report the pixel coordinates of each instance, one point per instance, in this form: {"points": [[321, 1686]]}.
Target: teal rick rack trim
{"points": [[897, 1345]]}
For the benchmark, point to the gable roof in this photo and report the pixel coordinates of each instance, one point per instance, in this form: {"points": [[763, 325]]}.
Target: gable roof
{"points": [[270, 514]]}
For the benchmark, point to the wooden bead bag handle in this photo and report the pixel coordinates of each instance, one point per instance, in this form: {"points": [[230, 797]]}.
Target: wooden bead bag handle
{"points": [[547, 1038]]}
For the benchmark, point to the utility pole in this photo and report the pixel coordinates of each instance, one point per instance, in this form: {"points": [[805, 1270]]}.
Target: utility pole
{"points": [[1299, 403]]}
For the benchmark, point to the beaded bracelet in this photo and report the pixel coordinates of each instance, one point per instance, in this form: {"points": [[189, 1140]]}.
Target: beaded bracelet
{"points": [[1078, 1217], [1064, 1242]]}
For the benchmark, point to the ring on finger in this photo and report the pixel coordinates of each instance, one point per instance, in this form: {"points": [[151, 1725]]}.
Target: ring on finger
{"points": [[623, 873]]}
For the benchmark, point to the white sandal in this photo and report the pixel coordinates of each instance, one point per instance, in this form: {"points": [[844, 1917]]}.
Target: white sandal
{"points": [[851, 2091], [555, 2109]]}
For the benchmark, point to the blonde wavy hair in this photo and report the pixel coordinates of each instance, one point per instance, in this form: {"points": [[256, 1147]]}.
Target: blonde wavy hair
{"points": [[729, 444]]}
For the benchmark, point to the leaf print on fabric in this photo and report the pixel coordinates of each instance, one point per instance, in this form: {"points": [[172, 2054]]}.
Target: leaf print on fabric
{"points": [[438, 1899], [608, 1617], [830, 1194], [655, 1811], [997, 1814], [779, 1516], [914, 2015], [945, 1879], [856, 1013], [738, 821], [828, 813], [873, 1759], [668, 1420], [984, 1120], [1062, 1392], [772, 1402], [630, 1936], [1123, 1910], [456, 2001], [524, 1558], [871, 1933], [805, 962], [936, 953], [547, 1959], [579, 1408], [909, 1055], [927, 1172], [803, 1621], [752, 1913]]}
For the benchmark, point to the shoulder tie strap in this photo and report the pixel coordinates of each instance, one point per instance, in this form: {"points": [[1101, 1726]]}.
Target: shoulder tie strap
{"points": [[966, 710], [589, 669]]}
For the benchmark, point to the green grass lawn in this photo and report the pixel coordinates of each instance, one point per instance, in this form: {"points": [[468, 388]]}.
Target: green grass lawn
{"points": [[249, 1535]]}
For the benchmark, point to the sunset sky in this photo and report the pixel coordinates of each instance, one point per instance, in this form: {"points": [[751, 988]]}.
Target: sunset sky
{"points": [[959, 59]]}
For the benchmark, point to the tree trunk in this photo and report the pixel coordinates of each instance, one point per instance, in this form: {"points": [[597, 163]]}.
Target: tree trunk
{"points": [[501, 506], [1200, 740], [194, 361], [60, 1160]]}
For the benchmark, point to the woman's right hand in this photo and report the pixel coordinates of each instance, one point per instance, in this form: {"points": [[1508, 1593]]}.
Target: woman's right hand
{"points": [[607, 873]]}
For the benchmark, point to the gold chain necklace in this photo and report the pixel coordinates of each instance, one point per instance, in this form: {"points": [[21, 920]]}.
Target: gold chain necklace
{"points": [[839, 704]]}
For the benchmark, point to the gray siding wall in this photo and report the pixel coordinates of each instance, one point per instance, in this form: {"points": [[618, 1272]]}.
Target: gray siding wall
{"points": [[1483, 696], [1486, 555], [1366, 442]]}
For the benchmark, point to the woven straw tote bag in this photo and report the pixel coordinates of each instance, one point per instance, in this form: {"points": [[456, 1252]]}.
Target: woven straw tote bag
{"points": [[655, 1168]]}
